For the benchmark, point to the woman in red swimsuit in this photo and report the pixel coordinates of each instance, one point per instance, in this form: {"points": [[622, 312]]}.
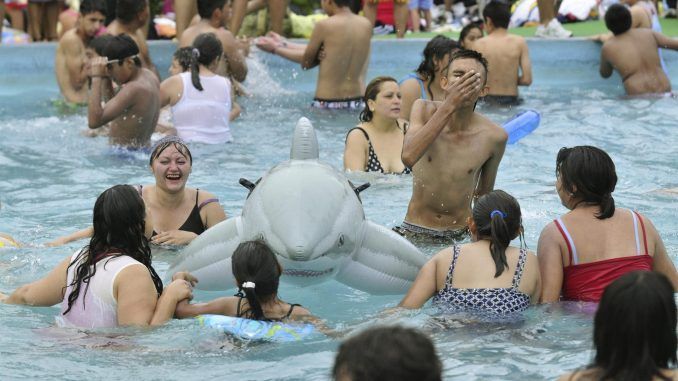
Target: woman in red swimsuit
{"points": [[586, 249]]}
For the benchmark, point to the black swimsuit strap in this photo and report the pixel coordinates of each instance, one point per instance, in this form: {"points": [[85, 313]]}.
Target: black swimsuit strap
{"points": [[289, 313], [197, 194], [361, 129]]}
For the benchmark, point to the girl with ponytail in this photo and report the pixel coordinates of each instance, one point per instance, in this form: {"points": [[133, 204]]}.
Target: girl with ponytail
{"points": [[595, 243], [487, 276], [424, 83], [257, 273], [200, 99]]}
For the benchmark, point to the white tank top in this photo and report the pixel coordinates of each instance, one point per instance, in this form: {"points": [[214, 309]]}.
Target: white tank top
{"points": [[98, 307], [203, 116]]}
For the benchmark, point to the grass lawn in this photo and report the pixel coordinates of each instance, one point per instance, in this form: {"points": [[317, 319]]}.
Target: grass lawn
{"points": [[580, 29]]}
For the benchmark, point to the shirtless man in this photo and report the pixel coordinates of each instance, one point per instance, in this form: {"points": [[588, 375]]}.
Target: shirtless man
{"points": [[133, 111], [71, 63], [131, 16], [453, 151], [213, 15], [344, 39], [633, 53], [507, 57]]}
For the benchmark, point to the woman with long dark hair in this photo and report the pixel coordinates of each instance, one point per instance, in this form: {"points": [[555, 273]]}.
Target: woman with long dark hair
{"points": [[257, 273], [634, 331], [486, 276], [376, 144], [424, 83], [200, 99], [594, 243], [111, 281]]}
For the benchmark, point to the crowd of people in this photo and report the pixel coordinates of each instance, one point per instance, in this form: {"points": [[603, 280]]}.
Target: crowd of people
{"points": [[426, 125]]}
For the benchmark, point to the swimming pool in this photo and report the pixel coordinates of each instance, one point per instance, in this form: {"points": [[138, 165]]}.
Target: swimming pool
{"points": [[50, 177]]}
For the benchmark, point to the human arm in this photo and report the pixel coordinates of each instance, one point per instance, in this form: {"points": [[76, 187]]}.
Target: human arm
{"points": [[289, 51], [605, 65], [665, 42], [488, 173], [550, 264], [170, 91], [45, 292], [137, 299], [71, 71], [424, 286], [237, 67], [80, 234], [525, 78], [355, 151], [98, 116], [423, 130], [236, 110], [219, 306], [315, 44], [661, 261], [411, 91]]}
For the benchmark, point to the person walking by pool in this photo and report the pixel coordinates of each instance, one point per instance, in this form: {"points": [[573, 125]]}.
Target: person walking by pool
{"points": [[417, 9], [42, 19], [634, 53], [200, 99], [583, 251], [469, 34], [424, 83], [380, 131], [634, 331], [133, 111], [131, 17], [487, 276], [111, 281], [453, 151], [387, 353], [257, 273], [506, 54], [213, 14], [549, 26], [71, 62], [181, 213], [400, 12], [344, 39]]}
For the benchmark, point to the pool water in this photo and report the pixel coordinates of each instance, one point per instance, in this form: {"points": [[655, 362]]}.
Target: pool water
{"points": [[50, 176]]}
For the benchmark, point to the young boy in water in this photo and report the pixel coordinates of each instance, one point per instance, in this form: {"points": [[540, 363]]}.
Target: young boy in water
{"points": [[507, 56]]}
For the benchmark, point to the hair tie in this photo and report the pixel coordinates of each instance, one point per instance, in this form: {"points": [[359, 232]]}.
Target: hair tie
{"points": [[499, 212], [195, 52], [248, 285]]}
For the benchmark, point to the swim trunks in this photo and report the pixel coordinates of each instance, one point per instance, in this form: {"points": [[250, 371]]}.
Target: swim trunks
{"points": [[339, 104], [423, 234], [502, 100]]}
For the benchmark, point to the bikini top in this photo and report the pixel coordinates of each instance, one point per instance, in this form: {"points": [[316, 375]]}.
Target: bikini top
{"points": [[193, 222], [248, 314], [485, 301], [373, 163]]}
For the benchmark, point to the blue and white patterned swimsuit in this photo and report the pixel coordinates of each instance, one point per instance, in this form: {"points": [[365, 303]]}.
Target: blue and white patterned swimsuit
{"points": [[486, 301]]}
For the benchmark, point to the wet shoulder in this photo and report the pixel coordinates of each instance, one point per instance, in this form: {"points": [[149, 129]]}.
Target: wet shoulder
{"points": [[494, 130]]}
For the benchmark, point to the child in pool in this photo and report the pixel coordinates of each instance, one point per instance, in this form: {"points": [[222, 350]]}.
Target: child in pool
{"points": [[257, 273]]}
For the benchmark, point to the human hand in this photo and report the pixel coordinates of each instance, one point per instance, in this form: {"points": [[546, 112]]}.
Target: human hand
{"points": [[461, 90], [179, 290], [278, 39], [185, 275], [173, 237], [97, 67], [57, 242], [244, 44]]}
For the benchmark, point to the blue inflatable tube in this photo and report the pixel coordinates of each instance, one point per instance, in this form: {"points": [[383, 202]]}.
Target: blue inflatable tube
{"points": [[521, 125], [258, 330]]}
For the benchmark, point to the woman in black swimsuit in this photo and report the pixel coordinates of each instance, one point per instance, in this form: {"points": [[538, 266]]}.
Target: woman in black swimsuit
{"points": [[376, 144]]}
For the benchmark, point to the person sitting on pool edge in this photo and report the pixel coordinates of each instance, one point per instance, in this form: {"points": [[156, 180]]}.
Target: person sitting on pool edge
{"points": [[111, 281], [133, 111], [181, 213], [345, 40], [257, 273], [634, 53], [71, 60], [506, 54], [454, 153], [634, 331], [379, 131]]}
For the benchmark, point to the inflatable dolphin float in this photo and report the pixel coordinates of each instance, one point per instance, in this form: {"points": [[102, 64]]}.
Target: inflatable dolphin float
{"points": [[312, 218]]}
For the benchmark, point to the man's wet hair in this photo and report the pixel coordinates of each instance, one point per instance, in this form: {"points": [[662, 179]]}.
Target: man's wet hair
{"points": [[499, 13], [98, 44], [120, 47], [388, 353], [207, 7], [127, 10], [467, 54], [618, 19], [91, 6]]}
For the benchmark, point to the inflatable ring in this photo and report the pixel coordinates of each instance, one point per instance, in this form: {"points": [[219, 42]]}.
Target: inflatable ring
{"points": [[257, 330], [521, 125], [6, 242]]}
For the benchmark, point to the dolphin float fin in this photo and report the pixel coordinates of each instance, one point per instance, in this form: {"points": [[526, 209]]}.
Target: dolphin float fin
{"points": [[386, 264], [208, 257], [304, 142]]}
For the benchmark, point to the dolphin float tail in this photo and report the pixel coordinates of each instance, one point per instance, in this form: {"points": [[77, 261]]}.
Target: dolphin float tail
{"points": [[304, 142]]}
